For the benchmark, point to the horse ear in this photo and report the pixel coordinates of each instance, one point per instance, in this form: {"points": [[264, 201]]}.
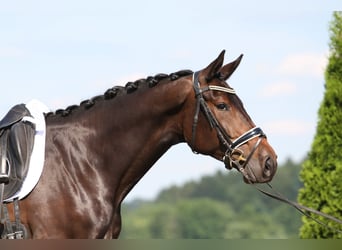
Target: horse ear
{"points": [[228, 69], [211, 70]]}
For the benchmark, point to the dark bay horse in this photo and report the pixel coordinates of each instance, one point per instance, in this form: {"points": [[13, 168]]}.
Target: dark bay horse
{"points": [[97, 151]]}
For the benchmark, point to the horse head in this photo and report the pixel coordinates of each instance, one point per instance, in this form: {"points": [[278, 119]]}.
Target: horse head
{"points": [[222, 128]]}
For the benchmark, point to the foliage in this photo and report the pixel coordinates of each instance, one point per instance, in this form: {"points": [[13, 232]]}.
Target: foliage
{"points": [[218, 206], [322, 171]]}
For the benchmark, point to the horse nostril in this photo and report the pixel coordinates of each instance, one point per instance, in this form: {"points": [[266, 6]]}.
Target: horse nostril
{"points": [[268, 163], [268, 167]]}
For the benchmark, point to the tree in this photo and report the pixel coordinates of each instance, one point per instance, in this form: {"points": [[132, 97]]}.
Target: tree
{"points": [[322, 171], [217, 206], [203, 218]]}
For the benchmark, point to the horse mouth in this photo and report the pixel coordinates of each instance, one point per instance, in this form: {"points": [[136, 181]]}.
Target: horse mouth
{"points": [[248, 176], [249, 180]]}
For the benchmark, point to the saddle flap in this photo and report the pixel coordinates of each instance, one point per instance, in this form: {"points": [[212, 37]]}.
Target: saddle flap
{"points": [[16, 144]]}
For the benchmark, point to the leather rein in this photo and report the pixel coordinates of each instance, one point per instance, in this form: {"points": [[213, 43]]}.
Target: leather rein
{"points": [[235, 156]]}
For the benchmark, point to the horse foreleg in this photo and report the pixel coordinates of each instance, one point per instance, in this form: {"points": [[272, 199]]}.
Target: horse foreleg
{"points": [[115, 228]]}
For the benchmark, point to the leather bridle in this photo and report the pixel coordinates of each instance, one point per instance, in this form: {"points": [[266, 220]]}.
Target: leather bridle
{"points": [[233, 154]]}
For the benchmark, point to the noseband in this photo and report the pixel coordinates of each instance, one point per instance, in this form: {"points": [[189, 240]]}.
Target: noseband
{"points": [[233, 154]]}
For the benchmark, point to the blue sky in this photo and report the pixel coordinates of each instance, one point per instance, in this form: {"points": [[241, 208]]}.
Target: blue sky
{"points": [[65, 52]]}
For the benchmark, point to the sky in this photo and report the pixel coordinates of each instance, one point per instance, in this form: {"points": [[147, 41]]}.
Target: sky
{"points": [[66, 51]]}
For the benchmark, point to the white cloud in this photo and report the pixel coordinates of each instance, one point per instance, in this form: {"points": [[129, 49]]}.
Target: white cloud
{"points": [[98, 86], [278, 89], [309, 64], [11, 52], [289, 127], [181, 54], [59, 103], [129, 78]]}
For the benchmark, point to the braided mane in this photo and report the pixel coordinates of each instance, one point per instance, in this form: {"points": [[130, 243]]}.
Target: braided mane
{"points": [[130, 87]]}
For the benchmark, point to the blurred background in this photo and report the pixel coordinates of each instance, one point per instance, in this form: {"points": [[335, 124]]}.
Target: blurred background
{"points": [[64, 52]]}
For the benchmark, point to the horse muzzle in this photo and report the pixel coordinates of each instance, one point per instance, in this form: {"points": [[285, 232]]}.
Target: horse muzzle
{"points": [[261, 169]]}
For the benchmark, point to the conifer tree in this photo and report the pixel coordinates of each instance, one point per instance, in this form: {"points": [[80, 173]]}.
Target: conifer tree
{"points": [[322, 171]]}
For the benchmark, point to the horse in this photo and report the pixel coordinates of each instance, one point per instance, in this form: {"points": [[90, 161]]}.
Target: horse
{"points": [[96, 152]]}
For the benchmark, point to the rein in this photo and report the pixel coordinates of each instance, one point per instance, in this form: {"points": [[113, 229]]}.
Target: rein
{"points": [[301, 208], [234, 155]]}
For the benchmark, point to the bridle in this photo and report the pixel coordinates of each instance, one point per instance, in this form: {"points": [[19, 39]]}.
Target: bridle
{"points": [[233, 154]]}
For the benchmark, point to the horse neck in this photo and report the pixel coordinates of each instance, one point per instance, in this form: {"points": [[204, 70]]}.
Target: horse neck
{"points": [[125, 136], [154, 125]]}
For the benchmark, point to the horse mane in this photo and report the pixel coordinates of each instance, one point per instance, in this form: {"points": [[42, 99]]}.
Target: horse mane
{"points": [[130, 87]]}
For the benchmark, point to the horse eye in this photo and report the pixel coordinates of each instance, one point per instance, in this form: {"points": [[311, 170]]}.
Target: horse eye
{"points": [[222, 106]]}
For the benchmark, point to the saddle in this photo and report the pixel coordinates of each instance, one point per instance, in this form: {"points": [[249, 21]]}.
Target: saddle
{"points": [[17, 131], [16, 144]]}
